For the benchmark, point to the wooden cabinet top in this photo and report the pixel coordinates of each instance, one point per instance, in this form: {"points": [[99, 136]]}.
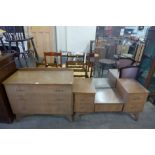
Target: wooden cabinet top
{"points": [[132, 86], [40, 77], [83, 86]]}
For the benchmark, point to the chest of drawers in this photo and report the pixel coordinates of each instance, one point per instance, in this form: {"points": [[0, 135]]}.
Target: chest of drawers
{"points": [[40, 92], [134, 94], [84, 95]]}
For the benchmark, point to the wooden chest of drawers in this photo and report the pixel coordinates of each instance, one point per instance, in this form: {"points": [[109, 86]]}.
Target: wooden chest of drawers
{"points": [[133, 94], [7, 67], [40, 92], [84, 95]]}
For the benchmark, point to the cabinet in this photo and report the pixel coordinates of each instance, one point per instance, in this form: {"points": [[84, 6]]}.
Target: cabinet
{"points": [[84, 95], [146, 75], [7, 67], [133, 94], [40, 92]]}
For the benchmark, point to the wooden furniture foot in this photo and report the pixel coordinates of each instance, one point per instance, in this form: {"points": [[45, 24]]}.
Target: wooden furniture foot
{"points": [[69, 118], [19, 117], [135, 116], [77, 116]]}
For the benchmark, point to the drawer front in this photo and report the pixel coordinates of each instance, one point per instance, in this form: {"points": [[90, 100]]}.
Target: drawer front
{"points": [[133, 107], [137, 98], [42, 89], [84, 102], [108, 107], [30, 99]]}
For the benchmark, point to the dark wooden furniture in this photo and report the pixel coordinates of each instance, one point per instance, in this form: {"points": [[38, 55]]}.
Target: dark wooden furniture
{"points": [[146, 73], [55, 59], [7, 67], [90, 63]]}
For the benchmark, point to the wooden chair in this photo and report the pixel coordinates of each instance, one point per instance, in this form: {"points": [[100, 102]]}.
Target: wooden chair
{"points": [[19, 39], [76, 62], [90, 63], [124, 62], [55, 59]]}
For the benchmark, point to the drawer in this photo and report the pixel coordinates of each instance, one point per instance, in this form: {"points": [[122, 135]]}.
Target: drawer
{"points": [[84, 98], [133, 107], [84, 102], [137, 98], [41, 89], [51, 89], [108, 107]]}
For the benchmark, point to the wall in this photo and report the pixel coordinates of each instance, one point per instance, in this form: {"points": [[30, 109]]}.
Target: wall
{"points": [[61, 38], [75, 38]]}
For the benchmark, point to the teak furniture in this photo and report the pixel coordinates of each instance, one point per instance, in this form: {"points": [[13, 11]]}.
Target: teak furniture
{"points": [[84, 94], [55, 91], [40, 92], [7, 67], [134, 95]]}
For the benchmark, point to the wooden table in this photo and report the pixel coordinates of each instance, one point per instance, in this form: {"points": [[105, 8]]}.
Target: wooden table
{"points": [[106, 63], [40, 92]]}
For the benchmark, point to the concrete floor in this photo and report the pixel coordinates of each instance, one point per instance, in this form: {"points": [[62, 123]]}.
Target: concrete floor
{"points": [[89, 121]]}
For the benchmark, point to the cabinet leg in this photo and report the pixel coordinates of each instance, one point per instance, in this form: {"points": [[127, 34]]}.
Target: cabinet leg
{"points": [[19, 117], [69, 118], [77, 116], [135, 116]]}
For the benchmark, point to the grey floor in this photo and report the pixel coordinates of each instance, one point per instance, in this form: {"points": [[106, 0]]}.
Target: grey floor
{"points": [[89, 121]]}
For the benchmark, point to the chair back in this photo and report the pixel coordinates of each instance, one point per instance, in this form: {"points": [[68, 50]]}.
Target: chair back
{"points": [[14, 36], [129, 72], [124, 62], [55, 59]]}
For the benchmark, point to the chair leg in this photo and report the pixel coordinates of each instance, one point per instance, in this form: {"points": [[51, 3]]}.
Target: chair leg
{"points": [[91, 72], [25, 59]]}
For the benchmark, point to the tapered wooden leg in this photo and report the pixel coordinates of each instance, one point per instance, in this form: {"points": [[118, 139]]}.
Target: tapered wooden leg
{"points": [[135, 116], [77, 116], [69, 118], [19, 117]]}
